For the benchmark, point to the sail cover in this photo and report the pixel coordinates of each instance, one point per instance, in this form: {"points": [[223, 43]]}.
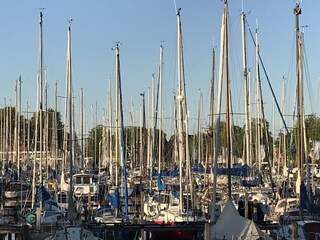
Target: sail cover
{"points": [[231, 225], [305, 201]]}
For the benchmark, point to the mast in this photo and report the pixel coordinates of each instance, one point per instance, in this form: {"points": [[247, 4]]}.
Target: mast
{"points": [[17, 125], [55, 119], [47, 123], [263, 122], [247, 158], [123, 150], [153, 130], [259, 105], [117, 116], [228, 131], [71, 207], [40, 74], [143, 162], [116, 211], [110, 130], [300, 155], [211, 116], [81, 129], [217, 120], [180, 115], [199, 126], [283, 140], [38, 119], [7, 130], [160, 107], [184, 156]]}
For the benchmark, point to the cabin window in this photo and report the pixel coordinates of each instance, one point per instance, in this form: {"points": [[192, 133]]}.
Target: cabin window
{"points": [[78, 180], [86, 180]]}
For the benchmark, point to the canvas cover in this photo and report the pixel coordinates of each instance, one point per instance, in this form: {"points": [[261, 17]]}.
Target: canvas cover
{"points": [[231, 225]]}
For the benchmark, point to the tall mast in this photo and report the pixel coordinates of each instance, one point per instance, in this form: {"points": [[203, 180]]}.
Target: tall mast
{"points": [[153, 129], [69, 80], [55, 124], [40, 74], [211, 116], [123, 150], [110, 130], [71, 207], [183, 119], [263, 121], [81, 128], [247, 157], [19, 129], [284, 135], [259, 105], [117, 116], [38, 117], [16, 124], [28, 132], [47, 123], [160, 107], [300, 152], [217, 119], [118, 121], [228, 142], [199, 126], [180, 115], [143, 163]]}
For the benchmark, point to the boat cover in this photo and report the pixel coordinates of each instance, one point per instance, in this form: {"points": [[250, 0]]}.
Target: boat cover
{"points": [[231, 225], [305, 201]]}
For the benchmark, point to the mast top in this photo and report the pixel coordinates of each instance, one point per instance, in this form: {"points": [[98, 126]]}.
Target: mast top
{"points": [[297, 9], [178, 11], [41, 15]]}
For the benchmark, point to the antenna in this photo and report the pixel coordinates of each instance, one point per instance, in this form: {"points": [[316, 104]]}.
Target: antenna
{"points": [[162, 42], [70, 21], [117, 43]]}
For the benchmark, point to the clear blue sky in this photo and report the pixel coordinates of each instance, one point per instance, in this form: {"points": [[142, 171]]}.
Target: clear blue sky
{"points": [[141, 26]]}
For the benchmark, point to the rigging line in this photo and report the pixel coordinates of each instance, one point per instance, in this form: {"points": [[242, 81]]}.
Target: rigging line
{"points": [[310, 92], [265, 72]]}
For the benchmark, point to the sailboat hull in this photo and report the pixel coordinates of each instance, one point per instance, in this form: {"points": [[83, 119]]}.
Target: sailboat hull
{"points": [[175, 235]]}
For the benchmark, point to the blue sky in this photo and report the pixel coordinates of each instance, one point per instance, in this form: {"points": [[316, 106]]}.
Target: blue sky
{"points": [[141, 26]]}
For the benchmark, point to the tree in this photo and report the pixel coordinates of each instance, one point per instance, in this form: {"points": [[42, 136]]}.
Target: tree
{"points": [[48, 130], [93, 141]]}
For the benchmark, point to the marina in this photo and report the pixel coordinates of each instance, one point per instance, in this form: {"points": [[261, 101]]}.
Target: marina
{"points": [[128, 176]]}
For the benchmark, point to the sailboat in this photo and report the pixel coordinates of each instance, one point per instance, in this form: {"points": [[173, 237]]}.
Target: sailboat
{"points": [[121, 187], [180, 207], [242, 228], [302, 229]]}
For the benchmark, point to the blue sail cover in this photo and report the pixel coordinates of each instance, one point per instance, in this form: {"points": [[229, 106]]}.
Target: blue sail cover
{"points": [[53, 175], [200, 168], [305, 201], [235, 171], [175, 193], [114, 200], [253, 183], [166, 173], [42, 195], [161, 185]]}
